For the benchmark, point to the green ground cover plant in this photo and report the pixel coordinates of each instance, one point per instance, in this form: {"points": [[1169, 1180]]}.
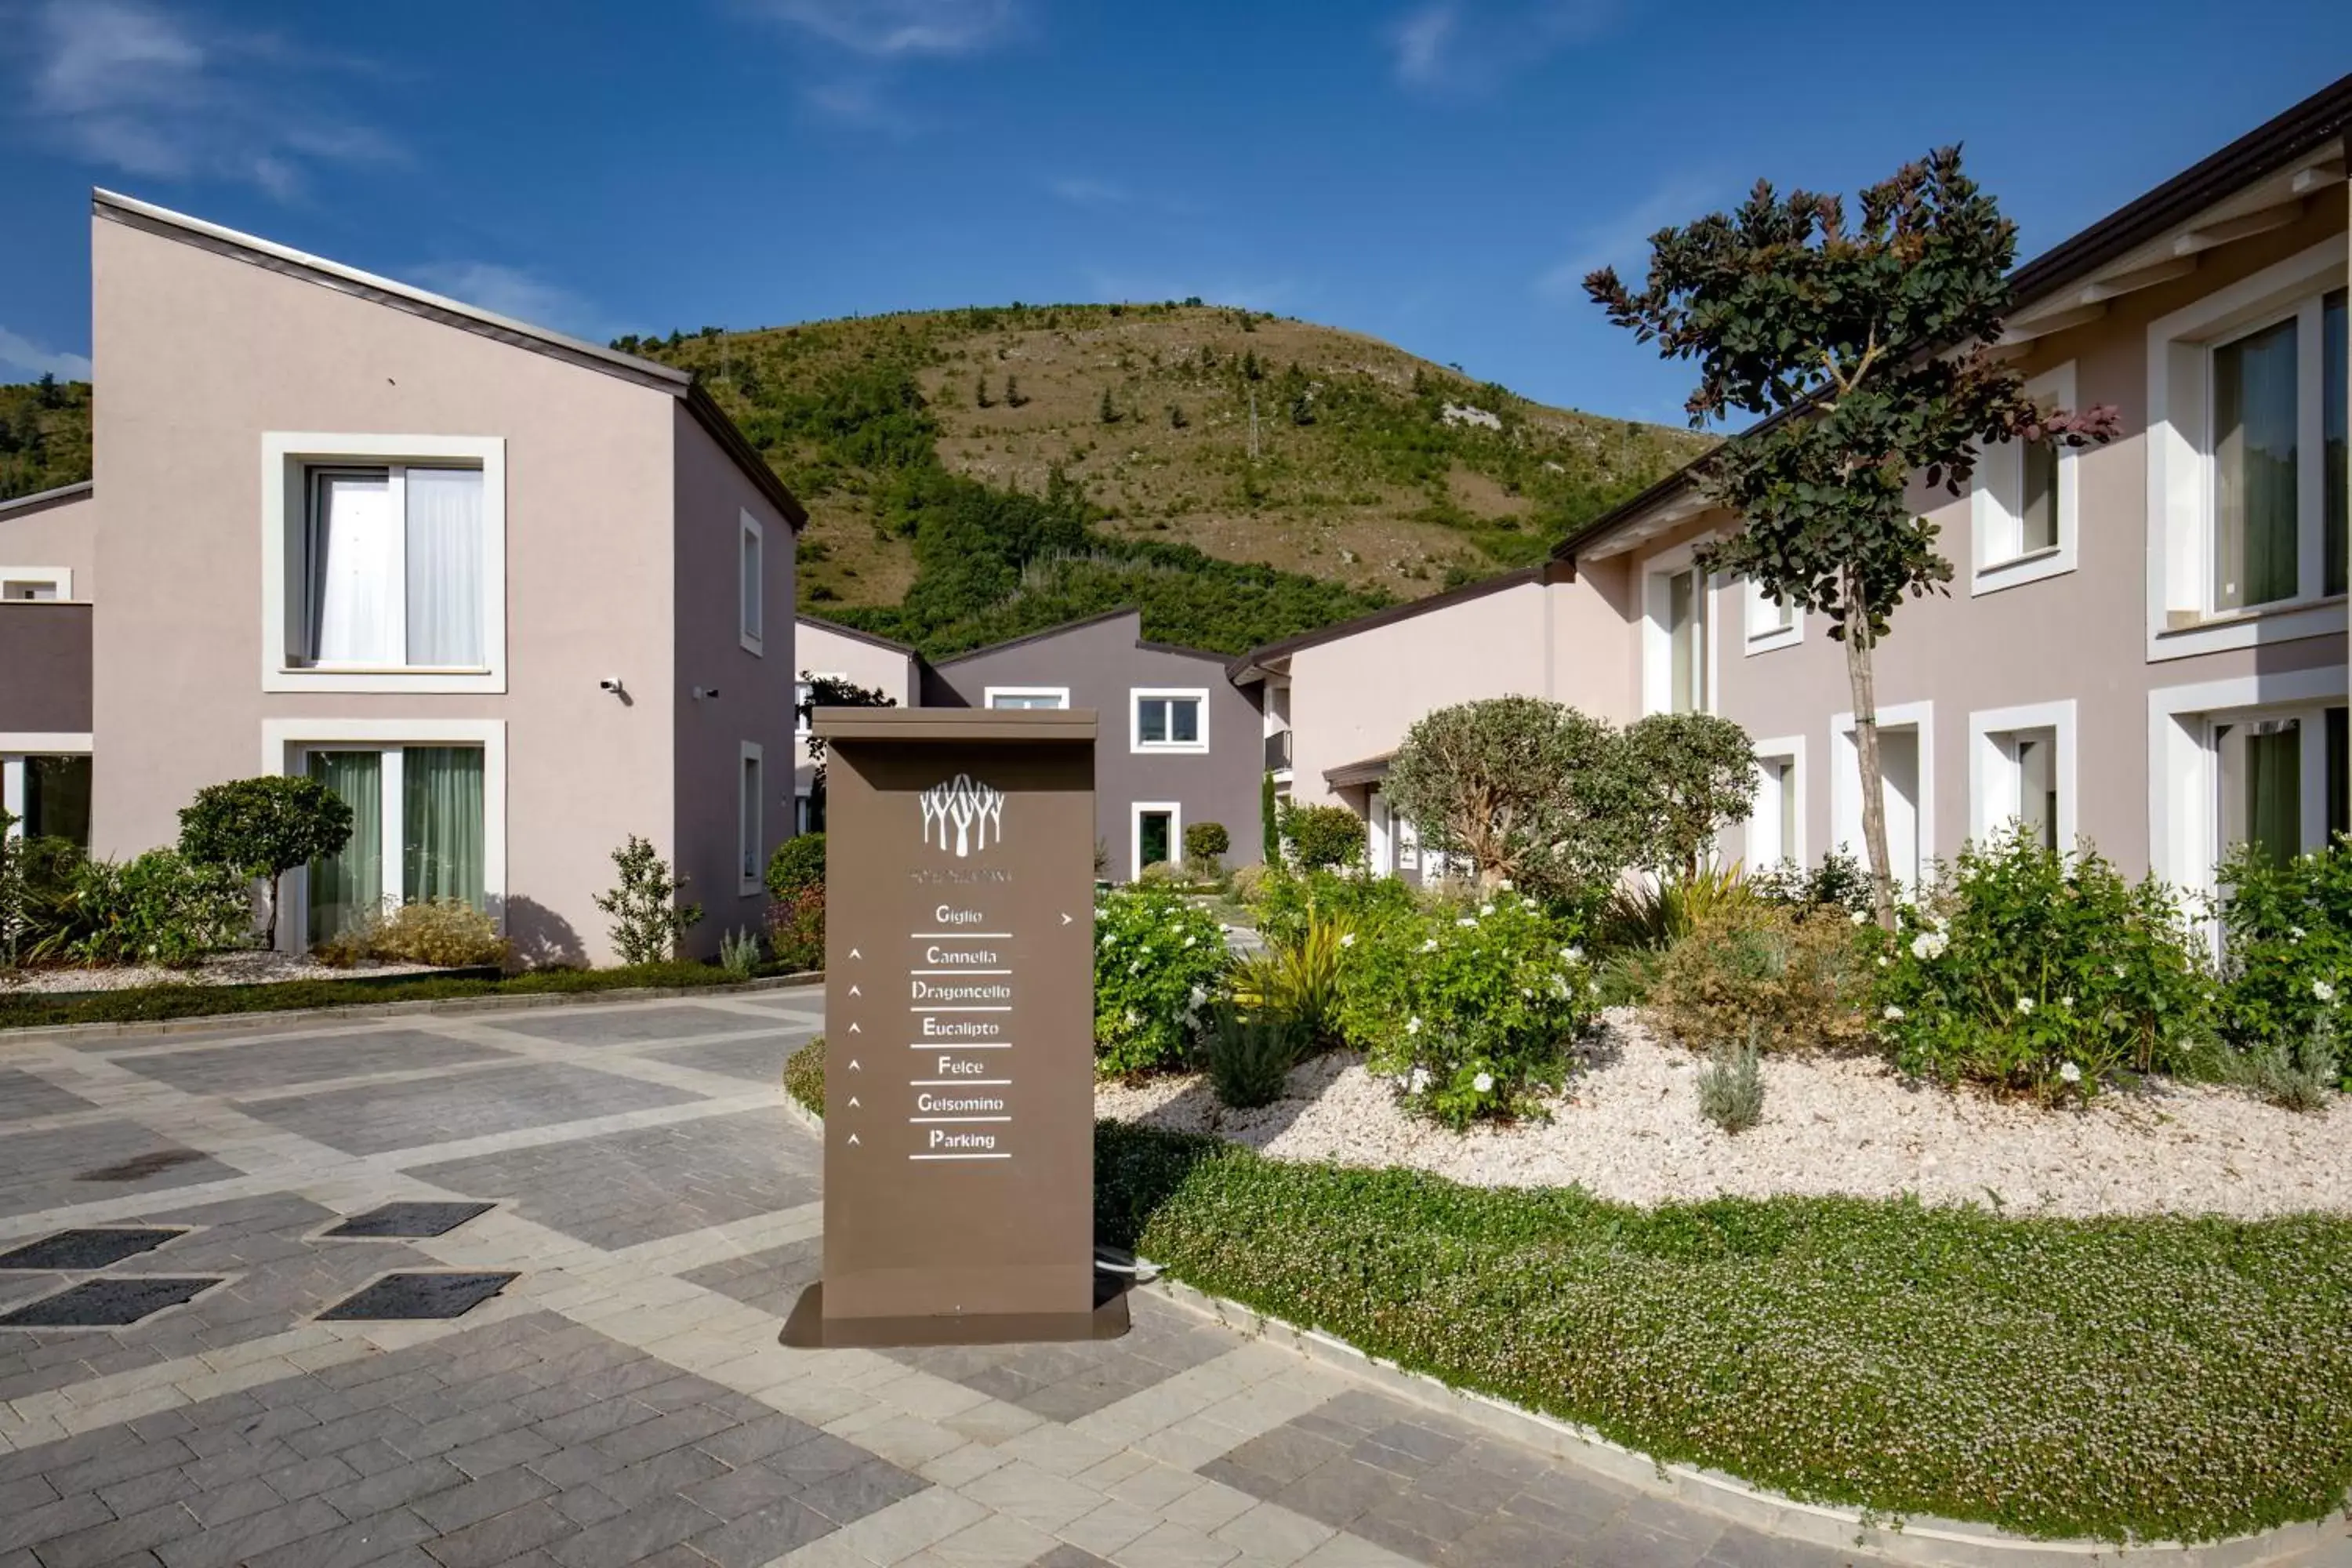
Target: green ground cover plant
{"points": [[804, 1076], [2140, 1378], [39, 1010]]}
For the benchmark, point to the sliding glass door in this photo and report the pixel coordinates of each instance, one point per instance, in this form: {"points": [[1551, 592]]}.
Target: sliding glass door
{"points": [[417, 831]]}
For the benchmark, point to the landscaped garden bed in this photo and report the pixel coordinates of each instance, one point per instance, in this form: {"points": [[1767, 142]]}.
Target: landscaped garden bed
{"points": [[1628, 1129]]}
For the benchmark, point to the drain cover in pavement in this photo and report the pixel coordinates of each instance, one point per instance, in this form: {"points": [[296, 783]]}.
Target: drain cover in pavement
{"points": [[105, 1303], [405, 1296], [409, 1219], [75, 1250]]}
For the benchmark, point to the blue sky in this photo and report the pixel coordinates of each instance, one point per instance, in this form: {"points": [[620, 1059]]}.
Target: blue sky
{"points": [[1438, 172]]}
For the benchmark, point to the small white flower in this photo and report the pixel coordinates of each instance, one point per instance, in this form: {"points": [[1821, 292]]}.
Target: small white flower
{"points": [[2295, 933], [1465, 920], [1429, 946], [1593, 986], [1939, 923], [1572, 954], [2323, 991], [2068, 1072], [1419, 1080], [1190, 940], [1859, 916], [2024, 1005], [1486, 909], [1893, 1015], [1529, 905], [1199, 996], [1885, 961], [1413, 1024], [1483, 1082], [2065, 1001], [1136, 968], [1505, 883], [1349, 940], [1524, 991], [1930, 945], [1132, 1020], [2119, 971]]}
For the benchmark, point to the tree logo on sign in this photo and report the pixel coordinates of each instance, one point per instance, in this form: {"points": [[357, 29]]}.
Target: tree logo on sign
{"points": [[973, 810]]}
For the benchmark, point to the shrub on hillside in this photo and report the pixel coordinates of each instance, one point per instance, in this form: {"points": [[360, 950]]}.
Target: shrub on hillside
{"points": [[2287, 945], [1751, 972], [1472, 1010], [798, 863], [1155, 958], [2032, 970]]}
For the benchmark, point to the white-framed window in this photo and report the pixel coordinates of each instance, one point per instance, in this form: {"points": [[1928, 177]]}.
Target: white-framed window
{"points": [[750, 585], [1167, 718], [45, 783], [1677, 642], [1408, 844], [2022, 506], [1025, 696], [1772, 623], [1776, 826], [2246, 461], [36, 583], [428, 817], [750, 840], [1907, 765], [384, 562], [2022, 768], [1379, 834], [2257, 759], [1157, 834]]}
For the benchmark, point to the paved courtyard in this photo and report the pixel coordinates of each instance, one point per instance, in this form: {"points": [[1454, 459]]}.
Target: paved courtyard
{"points": [[187, 1387]]}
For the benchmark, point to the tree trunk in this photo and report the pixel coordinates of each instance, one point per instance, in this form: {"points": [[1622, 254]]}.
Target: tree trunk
{"points": [[270, 935], [1873, 784]]}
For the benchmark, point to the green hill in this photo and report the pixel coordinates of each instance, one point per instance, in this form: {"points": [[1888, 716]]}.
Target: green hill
{"points": [[978, 474], [44, 435]]}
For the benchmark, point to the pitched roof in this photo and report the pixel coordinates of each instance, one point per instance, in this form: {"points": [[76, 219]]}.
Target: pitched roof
{"points": [[289, 262], [2267, 149], [864, 636], [1066, 627], [41, 500], [1257, 656]]}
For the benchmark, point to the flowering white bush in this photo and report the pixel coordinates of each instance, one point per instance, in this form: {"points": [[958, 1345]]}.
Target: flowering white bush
{"points": [[1471, 1013], [1156, 959]]}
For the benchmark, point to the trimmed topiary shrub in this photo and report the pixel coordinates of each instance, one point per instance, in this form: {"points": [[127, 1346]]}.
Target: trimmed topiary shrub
{"points": [[797, 864], [263, 828], [804, 1076], [1322, 837], [1206, 841]]}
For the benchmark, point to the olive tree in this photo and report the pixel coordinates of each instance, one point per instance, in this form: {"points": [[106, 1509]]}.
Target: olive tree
{"points": [[1871, 348], [1526, 790], [264, 827], [1696, 774]]}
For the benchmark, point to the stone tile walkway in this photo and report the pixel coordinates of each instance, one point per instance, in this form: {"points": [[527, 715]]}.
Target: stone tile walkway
{"points": [[626, 1400]]}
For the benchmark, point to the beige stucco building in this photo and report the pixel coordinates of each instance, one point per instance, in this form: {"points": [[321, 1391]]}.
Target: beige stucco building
{"points": [[2143, 643], [514, 596]]}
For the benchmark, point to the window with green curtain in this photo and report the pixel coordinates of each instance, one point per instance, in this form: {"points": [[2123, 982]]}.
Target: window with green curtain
{"points": [[2254, 452], [347, 887], [2336, 515], [56, 798], [2275, 793], [441, 824]]}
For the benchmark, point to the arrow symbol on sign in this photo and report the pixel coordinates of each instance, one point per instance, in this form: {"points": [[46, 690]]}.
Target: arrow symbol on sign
{"points": [[853, 1138], [853, 1066], [854, 991], [855, 1030], [855, 953], [1066, 920], [852, 1103]]}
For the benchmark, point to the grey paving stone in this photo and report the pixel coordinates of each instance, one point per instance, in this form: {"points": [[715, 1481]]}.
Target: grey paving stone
{"points": [[502, 1537], [852, 1494], [374, 1119], [452, 1510], [1069, 1556], [620, 1189], [119, 1538], [24, 1096], [387, 1489], [372, 1540], [757, 1060], [763, 1535], [254, 1064], [49, 1520], [96, 1159], [242, 1538], [629, 1025], [634, 1536]]}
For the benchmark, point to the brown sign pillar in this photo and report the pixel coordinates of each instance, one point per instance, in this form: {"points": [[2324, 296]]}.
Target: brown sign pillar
{"points": [[959, 1074]]}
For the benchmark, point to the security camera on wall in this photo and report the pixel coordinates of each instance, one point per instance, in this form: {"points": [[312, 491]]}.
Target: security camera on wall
{"points": [[611, 683]]}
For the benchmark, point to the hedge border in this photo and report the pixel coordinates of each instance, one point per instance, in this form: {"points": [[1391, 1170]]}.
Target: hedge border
{"points": [[347, 1012]]}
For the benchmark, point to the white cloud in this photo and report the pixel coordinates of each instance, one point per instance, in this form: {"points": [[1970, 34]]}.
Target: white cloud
{"points": [[517, 293], [1081, 192], [155, 93], [1623, 241], [1459, 48], [862, 103], [31, 361], [896, 28]]}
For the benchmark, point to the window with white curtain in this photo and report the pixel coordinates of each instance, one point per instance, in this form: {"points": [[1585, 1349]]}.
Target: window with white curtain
{"points": [[390, 573], [751, 566]]}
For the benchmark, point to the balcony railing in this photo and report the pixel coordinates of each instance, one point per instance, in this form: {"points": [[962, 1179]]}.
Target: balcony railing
{"points": [[1277, 751]]}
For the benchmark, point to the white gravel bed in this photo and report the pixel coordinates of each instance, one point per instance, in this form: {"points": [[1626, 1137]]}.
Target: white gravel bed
{"points": [[1629, 1129], [220, 969]]}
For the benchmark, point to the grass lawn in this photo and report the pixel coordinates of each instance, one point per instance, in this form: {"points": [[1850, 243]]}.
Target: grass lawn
{"points": [[2122, 1379], [38, 1011]]}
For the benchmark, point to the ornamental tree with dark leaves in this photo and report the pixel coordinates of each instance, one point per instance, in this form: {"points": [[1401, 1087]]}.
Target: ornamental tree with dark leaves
{"points": [[1870, 347]]}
